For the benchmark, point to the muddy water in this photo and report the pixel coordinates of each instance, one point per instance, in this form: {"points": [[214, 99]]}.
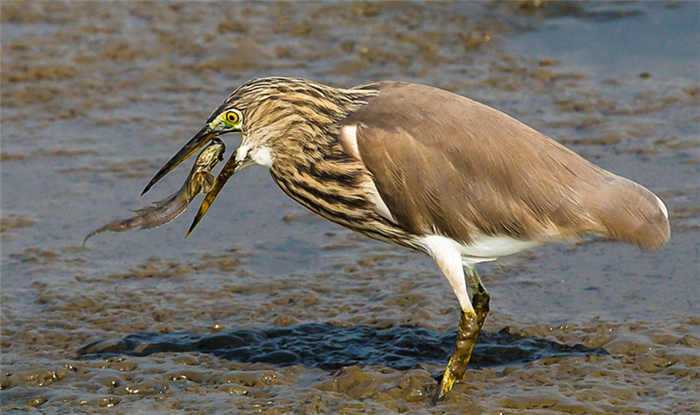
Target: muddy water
{"points": [[266, 308]]}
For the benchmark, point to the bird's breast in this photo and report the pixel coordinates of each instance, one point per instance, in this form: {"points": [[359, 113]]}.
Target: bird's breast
{"points": [[342, 192]]}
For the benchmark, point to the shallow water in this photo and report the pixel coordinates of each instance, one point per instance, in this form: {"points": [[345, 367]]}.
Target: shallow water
{"points": [[266, 308]]}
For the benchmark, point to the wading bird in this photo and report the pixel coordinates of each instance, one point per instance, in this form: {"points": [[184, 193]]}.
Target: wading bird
{"points": [[428, 170]]}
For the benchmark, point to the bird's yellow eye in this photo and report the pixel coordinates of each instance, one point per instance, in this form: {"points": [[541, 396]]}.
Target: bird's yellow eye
{"points": [[232, 117]]}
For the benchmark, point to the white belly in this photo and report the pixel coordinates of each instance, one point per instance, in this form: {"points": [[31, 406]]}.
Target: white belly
{"points": [[482, 249]]}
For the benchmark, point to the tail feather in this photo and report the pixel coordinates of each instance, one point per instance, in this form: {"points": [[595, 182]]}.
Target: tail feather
{"points": [[630, 213]]}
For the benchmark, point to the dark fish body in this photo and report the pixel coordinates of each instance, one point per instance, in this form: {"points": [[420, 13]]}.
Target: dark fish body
{"points": [[199, 181]]}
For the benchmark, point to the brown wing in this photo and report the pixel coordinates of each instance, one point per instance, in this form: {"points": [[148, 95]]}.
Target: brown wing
{"points": [[449, 165]]}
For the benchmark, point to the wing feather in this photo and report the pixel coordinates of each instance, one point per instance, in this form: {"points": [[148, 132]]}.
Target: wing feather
{"points": [[448, 165]]}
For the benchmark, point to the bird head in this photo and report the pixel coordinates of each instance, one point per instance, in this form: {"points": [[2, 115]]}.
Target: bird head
{"points": [[269, 113], [260, 113]]}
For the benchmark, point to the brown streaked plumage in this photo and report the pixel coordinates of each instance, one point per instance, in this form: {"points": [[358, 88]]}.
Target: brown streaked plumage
{"points": [[429, 170]]}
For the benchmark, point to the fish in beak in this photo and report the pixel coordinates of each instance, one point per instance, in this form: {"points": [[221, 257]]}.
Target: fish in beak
{"points": [[224, 121], [199, 181]]}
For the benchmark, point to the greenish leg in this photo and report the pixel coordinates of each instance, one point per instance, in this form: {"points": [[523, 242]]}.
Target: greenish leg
{"points": [[470, 324], [480, 298]]}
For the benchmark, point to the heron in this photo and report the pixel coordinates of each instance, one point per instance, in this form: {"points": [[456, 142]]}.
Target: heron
{"points": [[428, 170]]}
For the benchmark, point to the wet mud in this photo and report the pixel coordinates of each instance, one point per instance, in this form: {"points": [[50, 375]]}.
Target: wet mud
{"points": [[266, 308]]}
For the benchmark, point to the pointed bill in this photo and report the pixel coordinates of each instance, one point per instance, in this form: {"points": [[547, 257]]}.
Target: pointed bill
{"points": [[198, 141]]}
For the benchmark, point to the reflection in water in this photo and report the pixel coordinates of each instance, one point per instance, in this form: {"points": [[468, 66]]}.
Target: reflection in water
{"points": [[331, 347]]}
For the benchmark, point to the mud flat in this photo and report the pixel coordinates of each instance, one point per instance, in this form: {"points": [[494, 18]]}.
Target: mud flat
{"points": [[268, 309]]}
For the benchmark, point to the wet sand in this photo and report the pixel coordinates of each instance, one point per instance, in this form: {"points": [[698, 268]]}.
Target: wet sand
{"points": [[266, 308]]}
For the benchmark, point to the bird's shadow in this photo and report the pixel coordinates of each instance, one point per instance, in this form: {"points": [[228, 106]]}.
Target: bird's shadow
{"points": [[331, 347]]}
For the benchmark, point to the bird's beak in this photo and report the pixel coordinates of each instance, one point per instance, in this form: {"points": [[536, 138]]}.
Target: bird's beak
{"points": [[231, 167], [204, 135]]}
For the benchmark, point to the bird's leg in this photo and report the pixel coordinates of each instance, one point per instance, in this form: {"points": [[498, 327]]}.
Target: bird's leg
{"points": [[470, 323], [480, 298], [457, 366]]}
